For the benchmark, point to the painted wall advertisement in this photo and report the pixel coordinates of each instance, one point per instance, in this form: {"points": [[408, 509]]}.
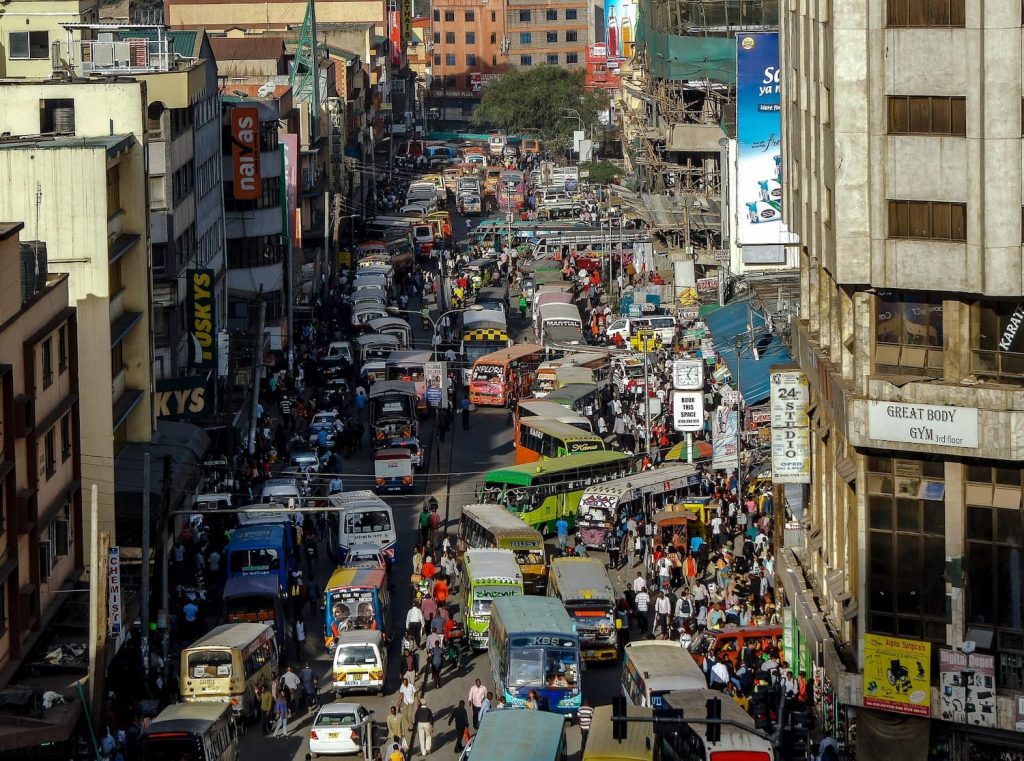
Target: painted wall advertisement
{"points": [[897, 675], [790, 396], [967, 687], [724, 431], [290, 144], [245, 153], [758, 138], [395, 36], [181, 398], [923, 424], [620, 27], [202, 319]]}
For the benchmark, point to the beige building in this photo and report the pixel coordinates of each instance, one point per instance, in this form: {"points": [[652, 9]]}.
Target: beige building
{"points": [[86, 199], [903, 179], [40, 460], [274, 14], [30, 28]]}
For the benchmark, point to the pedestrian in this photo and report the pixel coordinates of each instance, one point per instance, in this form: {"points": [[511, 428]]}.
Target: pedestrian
{"points": [[436, 663], [523, 305], [585, 715], [424, 727], [408, 693], [662, 609], [424, 522], [266, 707], [414, 623], [464, 408], [281, 712], [562, 527], [398, 727], [642, 602], [485, 704], [460, 719], [300, 637], [310, 686], [477, 695]]}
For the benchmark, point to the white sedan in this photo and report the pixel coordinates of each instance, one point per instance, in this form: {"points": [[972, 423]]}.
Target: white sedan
{"points": [[338, 730]]}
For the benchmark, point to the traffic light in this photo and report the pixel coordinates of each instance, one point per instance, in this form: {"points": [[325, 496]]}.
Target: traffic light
{"points": [[712, 731], [620, 727]]}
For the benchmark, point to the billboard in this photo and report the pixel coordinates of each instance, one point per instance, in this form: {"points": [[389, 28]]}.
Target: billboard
{"points": [[790, 435], [897, 675], [182, 398], [395, 36], [202, 320], [725, 428], [758, 139], [967, 687], [290, 145], [436, 375], [245, 152], [620, 27]]}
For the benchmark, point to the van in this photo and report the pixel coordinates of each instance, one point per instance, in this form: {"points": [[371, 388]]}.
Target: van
{"points": [[729, 642], [663, 325], [496, 144], [532, 147], [280, 490], [360, 662], [341, 350]]}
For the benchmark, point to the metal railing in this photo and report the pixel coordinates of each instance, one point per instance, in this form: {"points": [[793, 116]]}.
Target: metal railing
{"points": [[127, 56]]}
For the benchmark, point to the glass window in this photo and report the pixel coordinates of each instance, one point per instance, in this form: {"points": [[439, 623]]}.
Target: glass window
{"points": [[470, 38], [32, 45], [524, 17], [471, 59], [525, 60], [925, 13], [908, 333], [571, 36], [552, 59], [997, 341], [449, 15], [449, 59], [551, 15], [552, 37], [449, 38], [525, 38], [470, 15], [51, 452], [62, 348], [47, 357], [437, 15], [570, 14], [572, 57]]}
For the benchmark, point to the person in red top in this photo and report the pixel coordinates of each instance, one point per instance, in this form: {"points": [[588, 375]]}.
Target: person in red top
{"points": [[429, 570], [441, 591]]}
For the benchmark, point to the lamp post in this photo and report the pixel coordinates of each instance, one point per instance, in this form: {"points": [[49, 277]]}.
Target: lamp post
{"points": [[434, 323]]}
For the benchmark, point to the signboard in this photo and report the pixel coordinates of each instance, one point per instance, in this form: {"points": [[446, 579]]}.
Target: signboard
{"points": [[967, 687], [934, 424], [395, 37], [245, 152], [436, 376], [706, 284], [790, 396], [758, 138], [290, 146], [687, 374], [180, 398], [201, 319], [791, 455], [689, 313], [688, 410], [724, 439], [620, 27], [115, 608], [722, 255], [1018, 721], [406, 21], [897, 675]]}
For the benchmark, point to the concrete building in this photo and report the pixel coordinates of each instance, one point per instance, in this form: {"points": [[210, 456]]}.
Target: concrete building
{"points": [[40, 457], [465, 45], [85, 196], [552, 32], [902, 177], [29, 28], [276, 14]]}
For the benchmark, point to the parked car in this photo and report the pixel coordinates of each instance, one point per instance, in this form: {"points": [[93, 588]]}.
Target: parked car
{"points": [[322, 421], [338, 730]]}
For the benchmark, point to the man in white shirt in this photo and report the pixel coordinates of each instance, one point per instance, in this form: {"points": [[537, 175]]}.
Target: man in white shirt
{"points": [[414, 623], [642, 601], [662, 608], [716, 531], [639, 583], [719, 675]]}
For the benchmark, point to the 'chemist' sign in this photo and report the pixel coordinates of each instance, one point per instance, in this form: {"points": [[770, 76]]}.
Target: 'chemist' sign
{"points": [[933, 424]]}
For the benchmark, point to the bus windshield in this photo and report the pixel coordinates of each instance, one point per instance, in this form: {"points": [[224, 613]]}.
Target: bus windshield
{"points": [[492, 373], [208, 664], [368, 522], [529, 557], [263, 560], [555, 668], [477, 349]]}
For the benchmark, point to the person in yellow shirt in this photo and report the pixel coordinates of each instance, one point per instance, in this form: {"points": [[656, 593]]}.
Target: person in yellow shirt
{"points": [[739, 698]]}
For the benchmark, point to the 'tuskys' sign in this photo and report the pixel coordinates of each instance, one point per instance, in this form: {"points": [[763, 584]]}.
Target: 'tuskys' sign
{"points": [[933, 424]]}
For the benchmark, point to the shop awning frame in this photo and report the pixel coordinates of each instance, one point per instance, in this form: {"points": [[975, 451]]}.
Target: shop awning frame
{"points": [[753, 372]]}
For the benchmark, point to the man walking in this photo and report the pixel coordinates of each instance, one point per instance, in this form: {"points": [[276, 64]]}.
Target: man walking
{"points": [[414, 622], [398, 727], [477, 695], [464, 408], [662, 608], [424, 727], [460, 718], [642, 602], [585, 716], [562, 527]]}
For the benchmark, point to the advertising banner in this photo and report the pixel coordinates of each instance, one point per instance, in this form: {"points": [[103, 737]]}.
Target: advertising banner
{"points": [[758, 138], [620, 27], [395, 37], [201, 319], [897, 675], [406, 21], [436, 376], [245, 152], [290, 144], [724, 431], [790, 396], [967, 687], [923, 424], [791, 455], [688, 410], [115, 607], [181, 398]]}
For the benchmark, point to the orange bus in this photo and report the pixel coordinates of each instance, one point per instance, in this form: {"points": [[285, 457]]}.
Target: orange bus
{"points": [[504, 374]]}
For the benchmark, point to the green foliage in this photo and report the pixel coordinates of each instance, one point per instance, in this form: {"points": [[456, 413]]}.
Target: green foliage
{"points": [[533, 101], [601, 172]]}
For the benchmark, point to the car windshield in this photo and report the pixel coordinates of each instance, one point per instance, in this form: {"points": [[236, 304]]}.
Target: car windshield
{"points": [[354, 655], [262, 560], [209, 664], [529, 557]]}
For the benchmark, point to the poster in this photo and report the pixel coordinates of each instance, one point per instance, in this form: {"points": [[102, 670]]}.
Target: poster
{"points": [[724, 438], [620, 28], [245, 154], [436, 376], [688, 410], [967, 688], [201, 319], [897, 675], [395, 37], [290, 144], [758, 141], [790, 396]]}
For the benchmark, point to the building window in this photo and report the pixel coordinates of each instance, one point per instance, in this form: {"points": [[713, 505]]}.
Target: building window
{"points": [[552, 59], [525, 38], [437, 15], [31, 45], [449, 59], [449, 15], [471, 38], [570, 14], [925, 13], [908, 333], [470, 59], [494, 38], [927, 115], [50, 447], [551, 15], [470, 16], [928, 220], [437, 59], [494, 17], [65, 437], [524, 17], [47, 362], [997, 341], [62, 348], [552, 37], [907, 548], [437, 38], [525, 60], [3, 609], [45, 560], [572, 58], [61, 531], [995, 564], [571, 36], [449, 38], [494, 59]]}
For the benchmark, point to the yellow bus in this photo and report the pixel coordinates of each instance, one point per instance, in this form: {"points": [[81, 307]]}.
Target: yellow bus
{"points": [[638, 745], [492, 526], [227, 664], [544, 439], [583, 587]]}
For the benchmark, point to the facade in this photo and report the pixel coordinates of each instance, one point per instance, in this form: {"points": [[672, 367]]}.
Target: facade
{"points": [[277, 14], [551, 32], [87, 201], [41, 552], [465, 45], [601, 76], [30, 28], [902, 178]]}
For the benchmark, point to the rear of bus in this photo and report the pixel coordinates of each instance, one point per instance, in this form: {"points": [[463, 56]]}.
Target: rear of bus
{"points": [[225, 665], [193, 731], [527, 544], [583, 587]]}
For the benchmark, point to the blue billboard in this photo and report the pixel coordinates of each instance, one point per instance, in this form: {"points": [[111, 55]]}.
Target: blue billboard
{"points": [[758, 139]]}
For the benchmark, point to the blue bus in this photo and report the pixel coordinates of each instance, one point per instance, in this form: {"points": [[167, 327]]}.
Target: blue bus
{"points": [[534, 646], [519, 736], [255, 600], [265, 548]]}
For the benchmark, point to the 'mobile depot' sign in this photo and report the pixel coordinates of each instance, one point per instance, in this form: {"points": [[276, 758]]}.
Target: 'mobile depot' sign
{"points": [[923, 424]]}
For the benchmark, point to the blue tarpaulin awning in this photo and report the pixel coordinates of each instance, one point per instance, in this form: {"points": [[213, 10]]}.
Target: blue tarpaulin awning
{"points": [[751, 374]]}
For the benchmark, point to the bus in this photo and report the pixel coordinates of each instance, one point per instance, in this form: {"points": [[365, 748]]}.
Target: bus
{"points": [[651, 668], [489, 574], [263, 548], [483, 332], [582, 586], [567, 315], [519, 736], [503, 375], [255, 600], [637, 746], [408, 366], [393, 411], [534, 647], [584, 398], [226, 665], [686, 742], [492, 526], [192, 731], [602, 505], [550, 375], [541, 493], [355, 598], [364, 520], [542, 408], [511, 190], [543, 439], [494, 297]]}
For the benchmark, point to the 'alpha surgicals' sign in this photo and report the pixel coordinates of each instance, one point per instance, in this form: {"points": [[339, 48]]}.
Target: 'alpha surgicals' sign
{"points": [[933, 424]]}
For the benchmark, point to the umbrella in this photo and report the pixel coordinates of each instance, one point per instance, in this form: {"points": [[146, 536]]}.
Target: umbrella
{"points": [[678, 453]]}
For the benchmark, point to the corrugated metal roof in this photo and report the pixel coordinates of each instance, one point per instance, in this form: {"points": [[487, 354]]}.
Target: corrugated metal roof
{"points": [[247, 48], [183, 42]]}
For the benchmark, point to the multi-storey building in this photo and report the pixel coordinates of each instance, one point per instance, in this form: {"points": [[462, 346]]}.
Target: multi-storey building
{"points": [[552, 32], [902, 177], [276, 14], [464, 45], [40, 461]]}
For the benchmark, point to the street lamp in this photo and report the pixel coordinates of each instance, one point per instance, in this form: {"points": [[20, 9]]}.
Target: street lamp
{"points": [[434, 323]]}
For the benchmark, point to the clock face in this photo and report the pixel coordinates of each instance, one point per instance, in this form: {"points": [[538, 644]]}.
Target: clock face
{"points": [[688, 375]]}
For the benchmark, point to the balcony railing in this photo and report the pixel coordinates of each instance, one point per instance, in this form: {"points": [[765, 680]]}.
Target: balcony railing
{"points": [[126, 56]]}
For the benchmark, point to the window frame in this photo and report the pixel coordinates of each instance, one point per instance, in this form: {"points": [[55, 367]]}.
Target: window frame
{"points": [[449, 17], [28, 34], [918, 114], [46, 351], [925, 14], [470, 17], [919, 220]]}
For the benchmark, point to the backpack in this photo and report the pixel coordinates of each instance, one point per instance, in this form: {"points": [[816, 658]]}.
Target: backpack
{"points": [[435, 521]]}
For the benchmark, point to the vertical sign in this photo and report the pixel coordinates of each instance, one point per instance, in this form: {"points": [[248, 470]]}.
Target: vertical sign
{"points": [[114, 596], [436, 376], [724, 434], [202, 323], [291, 186], [688, 410], [406, 21], [967, 688], [791, 437], [245, 152], [758, 138], [395, 37]]}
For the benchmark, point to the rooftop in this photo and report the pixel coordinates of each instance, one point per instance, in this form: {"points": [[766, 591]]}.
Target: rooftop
{"points": [[250, 48], [10, 229], [113, 144]]}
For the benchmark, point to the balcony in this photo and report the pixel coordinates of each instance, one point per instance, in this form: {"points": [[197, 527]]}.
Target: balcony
{"points": [[124, 56]]}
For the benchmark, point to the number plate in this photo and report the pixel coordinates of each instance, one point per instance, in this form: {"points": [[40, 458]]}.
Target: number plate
{"points": [[332, 735]]}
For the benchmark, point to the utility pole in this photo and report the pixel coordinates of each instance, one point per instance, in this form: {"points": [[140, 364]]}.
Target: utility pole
{"points": [[257, 372], [144, 602], [97, 663], [165, 593]]}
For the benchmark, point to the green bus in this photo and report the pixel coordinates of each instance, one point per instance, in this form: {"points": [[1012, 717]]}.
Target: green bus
{"points": [[542, 492]]}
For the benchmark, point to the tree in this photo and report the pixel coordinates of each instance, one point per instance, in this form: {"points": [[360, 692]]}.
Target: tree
{"points": [[601, 172], [534, 101]]}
